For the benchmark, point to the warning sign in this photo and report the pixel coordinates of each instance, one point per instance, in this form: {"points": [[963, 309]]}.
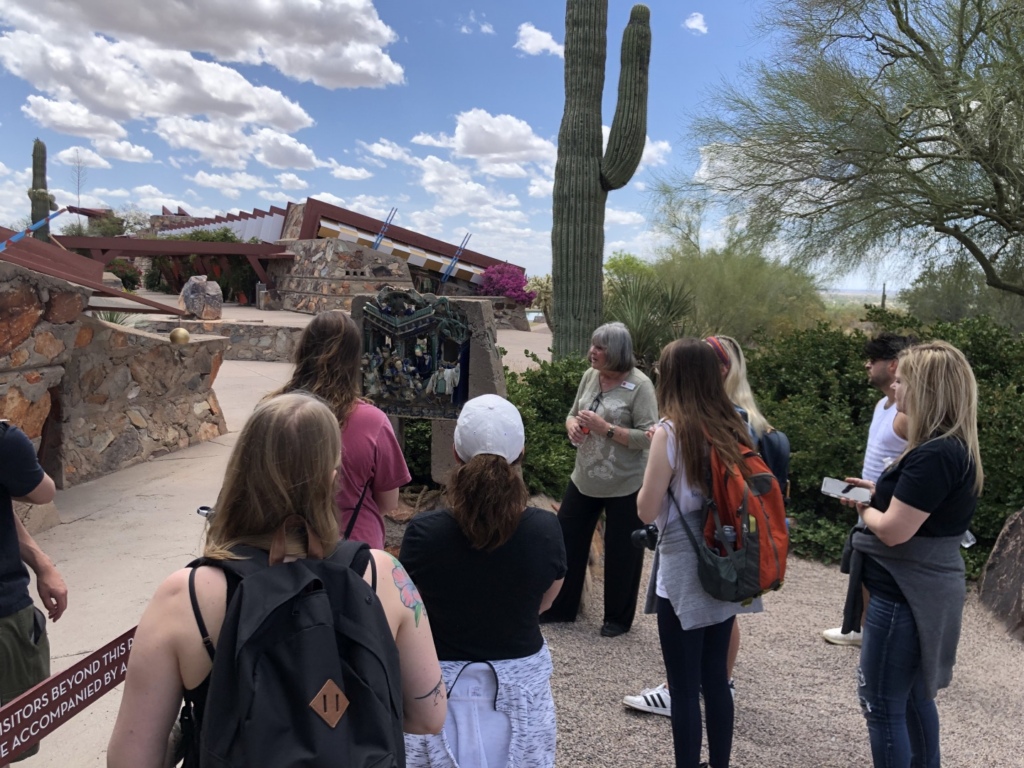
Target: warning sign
{"points": [[57, 699]]}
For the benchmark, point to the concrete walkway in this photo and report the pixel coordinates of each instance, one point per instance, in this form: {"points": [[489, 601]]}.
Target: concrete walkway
{"points": [[796, 697]]}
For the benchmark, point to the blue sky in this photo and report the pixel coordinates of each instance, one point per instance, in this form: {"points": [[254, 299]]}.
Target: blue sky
{"points": [[447, 110]]}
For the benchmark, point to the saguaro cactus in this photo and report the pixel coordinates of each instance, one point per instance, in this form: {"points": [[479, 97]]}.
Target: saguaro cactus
{"points": [[583, 177], [42, 200]]}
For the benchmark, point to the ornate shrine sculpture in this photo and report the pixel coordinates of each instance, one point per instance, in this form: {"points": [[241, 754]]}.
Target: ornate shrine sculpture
{"points": [[415, 354]]}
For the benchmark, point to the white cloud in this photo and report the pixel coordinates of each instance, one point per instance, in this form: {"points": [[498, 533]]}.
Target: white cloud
{"points": [[121, 80], [70, 118], [230, 185], [695, 23], [655, 153], [533, 41], [83, 155], [385, 149], [623, 218], [472, 25], [426, 140], [541, 187], [291, 181], [348, 173], [119, 192], [122, 150], [220, 143], [501, 145], [332, 43], [273, 196], [279, 150]]}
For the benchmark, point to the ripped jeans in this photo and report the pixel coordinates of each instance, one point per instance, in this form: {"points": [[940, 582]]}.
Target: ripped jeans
{"points": [[903, 723]]}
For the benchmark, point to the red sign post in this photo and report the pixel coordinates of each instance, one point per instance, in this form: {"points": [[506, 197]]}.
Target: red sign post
{"points": [[57, 699]]}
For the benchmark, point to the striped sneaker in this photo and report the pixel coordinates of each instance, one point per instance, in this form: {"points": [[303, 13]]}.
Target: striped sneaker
{"points": [[657, 701]]}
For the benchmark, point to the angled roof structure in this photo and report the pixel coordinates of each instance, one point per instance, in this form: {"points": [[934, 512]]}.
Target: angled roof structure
{"points": [[54, 261], [324, 220]]}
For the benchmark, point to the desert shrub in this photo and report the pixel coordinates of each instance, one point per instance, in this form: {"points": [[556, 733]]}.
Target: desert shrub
{"points": [[417, 450], [544, 397], [131, 276], [812, 385], [153, 280], [508, 281]]}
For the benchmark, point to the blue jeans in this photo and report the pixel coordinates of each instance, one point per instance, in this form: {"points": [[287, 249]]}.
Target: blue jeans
{"points": [[695, 660], [903, 723]]}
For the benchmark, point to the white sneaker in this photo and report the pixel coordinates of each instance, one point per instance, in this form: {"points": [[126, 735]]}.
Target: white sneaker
{"points": [[657, 701], [836, 637]]}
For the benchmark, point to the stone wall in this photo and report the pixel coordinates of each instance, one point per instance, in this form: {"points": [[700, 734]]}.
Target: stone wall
{"points": [[40, 326], [246, 341], [327, 273], [508, 314], [129, 396]]}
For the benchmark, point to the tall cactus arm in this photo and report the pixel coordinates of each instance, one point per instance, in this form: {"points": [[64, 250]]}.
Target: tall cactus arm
{"points": [[629, 126]]}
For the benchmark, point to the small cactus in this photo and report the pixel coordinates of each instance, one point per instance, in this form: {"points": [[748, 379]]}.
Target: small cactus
{"points": [[42, 200], [583, 177]]}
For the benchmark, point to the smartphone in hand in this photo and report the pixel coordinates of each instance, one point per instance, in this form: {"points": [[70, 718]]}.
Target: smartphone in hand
{"points": [[841, 489]]}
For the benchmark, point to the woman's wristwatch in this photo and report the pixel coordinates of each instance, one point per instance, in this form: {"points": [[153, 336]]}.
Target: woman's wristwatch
{"points": [[610, 433]]}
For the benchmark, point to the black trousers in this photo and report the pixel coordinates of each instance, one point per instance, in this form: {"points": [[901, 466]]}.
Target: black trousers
{"points": [[623, 563]]}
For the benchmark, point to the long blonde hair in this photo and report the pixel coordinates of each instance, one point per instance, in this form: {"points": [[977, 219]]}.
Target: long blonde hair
{"points": [[738, 388], [282, 465], [939, 395]]}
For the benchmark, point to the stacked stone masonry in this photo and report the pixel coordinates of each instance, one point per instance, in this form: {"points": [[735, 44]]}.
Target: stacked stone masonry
{"points": [[246, 341], [327, 274], [95, 397]]}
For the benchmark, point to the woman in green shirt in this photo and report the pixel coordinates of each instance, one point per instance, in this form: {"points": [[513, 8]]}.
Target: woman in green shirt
{"points": [[614, 407]]}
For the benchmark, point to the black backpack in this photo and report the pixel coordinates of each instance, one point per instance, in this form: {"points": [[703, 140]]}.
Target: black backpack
{"points": [[306, 670], [774, 449]]}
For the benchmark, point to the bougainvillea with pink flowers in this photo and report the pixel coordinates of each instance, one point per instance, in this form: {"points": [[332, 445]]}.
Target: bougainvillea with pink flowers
{"points": [[508, 281]]}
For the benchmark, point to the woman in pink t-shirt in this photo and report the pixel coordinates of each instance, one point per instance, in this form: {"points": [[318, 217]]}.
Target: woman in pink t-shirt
{"points": [[327, 364]]}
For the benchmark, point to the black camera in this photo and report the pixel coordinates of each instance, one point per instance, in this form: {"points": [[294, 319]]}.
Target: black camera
{"points": [[646, 537]]}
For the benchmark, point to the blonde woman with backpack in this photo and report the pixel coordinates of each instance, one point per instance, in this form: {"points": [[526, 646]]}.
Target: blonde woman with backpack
{"points": [[276, 503]]}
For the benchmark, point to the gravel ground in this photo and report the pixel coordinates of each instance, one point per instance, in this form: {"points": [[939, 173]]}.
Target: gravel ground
{"points": [[796, 700]]}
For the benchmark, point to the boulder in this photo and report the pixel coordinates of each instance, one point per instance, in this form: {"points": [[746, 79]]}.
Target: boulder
{"points": [[1002, 580], [110, 280], [202, 298]]}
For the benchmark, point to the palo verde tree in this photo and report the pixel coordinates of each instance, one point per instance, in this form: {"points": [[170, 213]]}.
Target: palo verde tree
{"points": [[879, 129], [42, 200], [583, 175]]}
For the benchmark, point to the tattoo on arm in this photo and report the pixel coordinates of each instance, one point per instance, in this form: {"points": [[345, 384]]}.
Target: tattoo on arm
{"points": [[437, 692], [410, 595]]}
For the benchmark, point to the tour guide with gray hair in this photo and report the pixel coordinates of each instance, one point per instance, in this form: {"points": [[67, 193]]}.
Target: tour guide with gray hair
{"points": [[486, 567], [614, 407]]}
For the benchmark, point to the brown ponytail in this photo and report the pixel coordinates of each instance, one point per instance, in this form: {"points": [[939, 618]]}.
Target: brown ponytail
{"points": [[487, 496]]}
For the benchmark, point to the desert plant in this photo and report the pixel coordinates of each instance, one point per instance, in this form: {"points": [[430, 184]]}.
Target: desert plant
{"points": [[654, 311], [505, 280], [42, 200], [131, 276], [583, 177]]}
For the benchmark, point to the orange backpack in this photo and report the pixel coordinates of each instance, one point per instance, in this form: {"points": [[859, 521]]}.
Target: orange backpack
{"points": [[739, 569], [756, 510]]}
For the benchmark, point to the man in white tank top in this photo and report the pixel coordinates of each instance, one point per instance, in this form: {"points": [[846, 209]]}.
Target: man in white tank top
{"points": [[886, 436]]}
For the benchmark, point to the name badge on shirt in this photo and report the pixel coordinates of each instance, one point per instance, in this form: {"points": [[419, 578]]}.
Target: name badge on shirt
{"points": [[628, 385]]}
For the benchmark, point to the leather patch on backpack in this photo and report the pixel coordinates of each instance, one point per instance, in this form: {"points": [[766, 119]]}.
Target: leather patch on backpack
{"points": [[330, 703]]}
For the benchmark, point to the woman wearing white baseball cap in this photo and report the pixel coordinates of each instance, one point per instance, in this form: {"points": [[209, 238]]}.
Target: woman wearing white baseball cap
{"points": [[486, 567]]}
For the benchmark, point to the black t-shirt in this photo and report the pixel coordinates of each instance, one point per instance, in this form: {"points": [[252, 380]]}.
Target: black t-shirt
{"points": [[20, 473], [484, 606], [936, 477]]}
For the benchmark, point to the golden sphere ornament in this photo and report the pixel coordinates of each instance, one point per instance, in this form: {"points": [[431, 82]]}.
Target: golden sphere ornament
{"points": [[179, 336]]}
